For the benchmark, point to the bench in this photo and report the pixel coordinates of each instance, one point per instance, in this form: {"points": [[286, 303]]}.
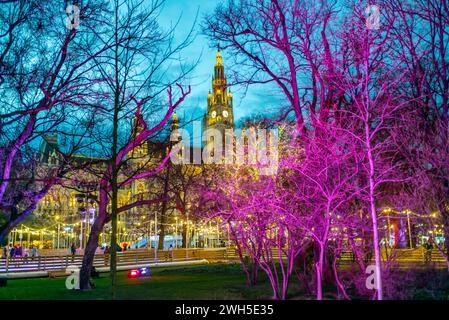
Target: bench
{"points": [[57, 274]]}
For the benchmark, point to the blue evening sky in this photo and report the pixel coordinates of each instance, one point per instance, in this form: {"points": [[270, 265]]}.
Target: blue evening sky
{"points": [[255, 101]]}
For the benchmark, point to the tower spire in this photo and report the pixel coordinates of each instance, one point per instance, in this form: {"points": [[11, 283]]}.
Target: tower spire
{"points": [[219, 59], [219, 101], [175, 122]]}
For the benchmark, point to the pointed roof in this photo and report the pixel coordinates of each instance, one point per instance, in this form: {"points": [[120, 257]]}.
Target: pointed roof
{"points": [[219, 58], [175, 121]]}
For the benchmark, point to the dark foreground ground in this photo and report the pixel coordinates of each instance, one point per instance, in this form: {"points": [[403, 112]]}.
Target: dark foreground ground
{"points": [[173, 283]]}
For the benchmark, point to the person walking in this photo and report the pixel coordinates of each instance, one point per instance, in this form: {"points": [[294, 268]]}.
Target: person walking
{"points": [[428, 251], [107, 251], [165, 253], [15, 255], [18, 251], [73, 251], [5, 252], [12, 250], [170, 252], [25, 254], [34, 252]]}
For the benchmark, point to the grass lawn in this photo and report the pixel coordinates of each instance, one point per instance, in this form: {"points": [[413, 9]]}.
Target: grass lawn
{"points": [[220, 281]]}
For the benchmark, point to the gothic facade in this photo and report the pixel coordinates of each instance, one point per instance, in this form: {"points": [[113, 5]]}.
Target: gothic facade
{"points": [[75, 205]]}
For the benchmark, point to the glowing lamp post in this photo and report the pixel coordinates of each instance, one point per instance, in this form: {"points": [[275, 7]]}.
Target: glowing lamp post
{"points": [[21, 235], [59, 229], [409, 228], [82, 204], [176, 232], [155, 236], [187, 229]]}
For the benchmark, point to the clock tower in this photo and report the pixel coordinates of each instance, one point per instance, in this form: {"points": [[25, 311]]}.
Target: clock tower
{"points": [[220, 114]]}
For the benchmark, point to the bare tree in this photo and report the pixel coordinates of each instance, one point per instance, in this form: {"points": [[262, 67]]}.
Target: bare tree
{"points": [[282, 43], [136, 41], [46, 80]]}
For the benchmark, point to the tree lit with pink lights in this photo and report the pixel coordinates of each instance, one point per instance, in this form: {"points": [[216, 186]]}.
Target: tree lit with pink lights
{"points": [[357, 101]]}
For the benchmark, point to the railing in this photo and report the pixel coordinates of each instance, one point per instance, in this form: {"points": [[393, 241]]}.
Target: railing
{"points": [[130, 257], [144, 256]]}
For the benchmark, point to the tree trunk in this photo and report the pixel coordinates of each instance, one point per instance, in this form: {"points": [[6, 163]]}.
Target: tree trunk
{"points": [[162, 233], [4, 231], [114, 166], [184, 236], [340, 286], [89, 253], [319, 272], [328, 274], [255, 272], [302, 263], [445, 217], [375, 231], [113, 264], [164, 208]]}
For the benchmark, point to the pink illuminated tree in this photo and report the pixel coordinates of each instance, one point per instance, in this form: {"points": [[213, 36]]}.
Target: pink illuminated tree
{"points": [[423, 36], [358, 91], [250, 205], [376, 104], [322, 178]]}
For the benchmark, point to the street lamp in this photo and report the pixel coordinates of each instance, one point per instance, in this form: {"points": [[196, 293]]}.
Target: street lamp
{"points": [[176, 232], [209, 235], [187, 229], [28, 237], [155, 235], [229, 236], [81, 210], [409, 229], [218, 233], [87, 215], [21, 235], [59, 228]]}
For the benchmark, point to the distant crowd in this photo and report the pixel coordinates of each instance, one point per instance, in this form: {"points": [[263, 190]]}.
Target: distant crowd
{"points": [[11, 251], [16, 251]]}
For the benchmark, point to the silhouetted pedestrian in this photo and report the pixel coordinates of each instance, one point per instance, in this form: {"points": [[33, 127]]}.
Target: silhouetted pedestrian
{"points": [[73, 251], [428, 251]]}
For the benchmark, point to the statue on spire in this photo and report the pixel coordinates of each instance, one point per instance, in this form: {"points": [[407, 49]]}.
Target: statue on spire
{"points": [[219, 58]]}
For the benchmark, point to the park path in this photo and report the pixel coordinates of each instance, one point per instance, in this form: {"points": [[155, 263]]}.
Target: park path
{"points": [[405, 258]]}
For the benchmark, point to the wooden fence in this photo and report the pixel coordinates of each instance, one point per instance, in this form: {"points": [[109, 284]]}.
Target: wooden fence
{"points": [[144, 256], [130, 257]]}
